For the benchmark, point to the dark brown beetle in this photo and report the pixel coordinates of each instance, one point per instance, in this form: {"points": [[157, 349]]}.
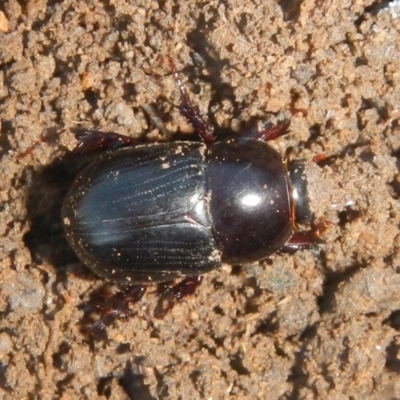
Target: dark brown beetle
{"points": [[139, 214]]}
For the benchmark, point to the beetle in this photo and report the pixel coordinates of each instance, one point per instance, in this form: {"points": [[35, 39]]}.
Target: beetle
{"points": [[156, 213]]}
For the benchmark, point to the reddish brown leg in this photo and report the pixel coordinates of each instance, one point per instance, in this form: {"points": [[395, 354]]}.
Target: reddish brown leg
{"points": [[111, 306], [171, 293], [306, 239], [271, 132], [300, 240], [319, 158], [90, 141], [29, 149], [191, 112]]}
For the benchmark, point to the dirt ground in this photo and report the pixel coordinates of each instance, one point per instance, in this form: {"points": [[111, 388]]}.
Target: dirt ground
{"points": [[322, 324]]}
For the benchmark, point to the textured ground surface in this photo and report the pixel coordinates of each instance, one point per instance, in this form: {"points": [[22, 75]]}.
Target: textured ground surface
{"points": [[317, 325]]}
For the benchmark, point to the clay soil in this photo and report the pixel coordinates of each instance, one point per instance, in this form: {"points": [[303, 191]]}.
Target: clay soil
{"points": [[321, 324]]}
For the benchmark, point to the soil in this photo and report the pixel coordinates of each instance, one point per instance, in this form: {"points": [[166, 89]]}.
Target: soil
{"points": [[315, 325]]}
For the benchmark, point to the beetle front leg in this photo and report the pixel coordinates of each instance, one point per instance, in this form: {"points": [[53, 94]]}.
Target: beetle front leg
{"points": [[171, 293], [306, 239], [299, 241]]}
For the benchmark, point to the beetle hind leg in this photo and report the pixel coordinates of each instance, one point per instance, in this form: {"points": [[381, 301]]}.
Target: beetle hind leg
{"points": [[111, 306], [171, 293]]}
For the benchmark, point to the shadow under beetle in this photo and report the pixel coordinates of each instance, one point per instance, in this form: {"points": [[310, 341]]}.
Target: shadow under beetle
{"points": [[139, 214]]}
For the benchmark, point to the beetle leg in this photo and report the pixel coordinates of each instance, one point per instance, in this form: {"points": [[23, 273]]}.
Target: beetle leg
{"points": [[90, 141], [300, 240], [112, 306], [306, 239], [319, 158], [200, 124], [271, 132], [171, 293]]}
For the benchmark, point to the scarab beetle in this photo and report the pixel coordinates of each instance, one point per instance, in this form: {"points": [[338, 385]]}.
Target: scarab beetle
{"points": [[139, 214]]}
